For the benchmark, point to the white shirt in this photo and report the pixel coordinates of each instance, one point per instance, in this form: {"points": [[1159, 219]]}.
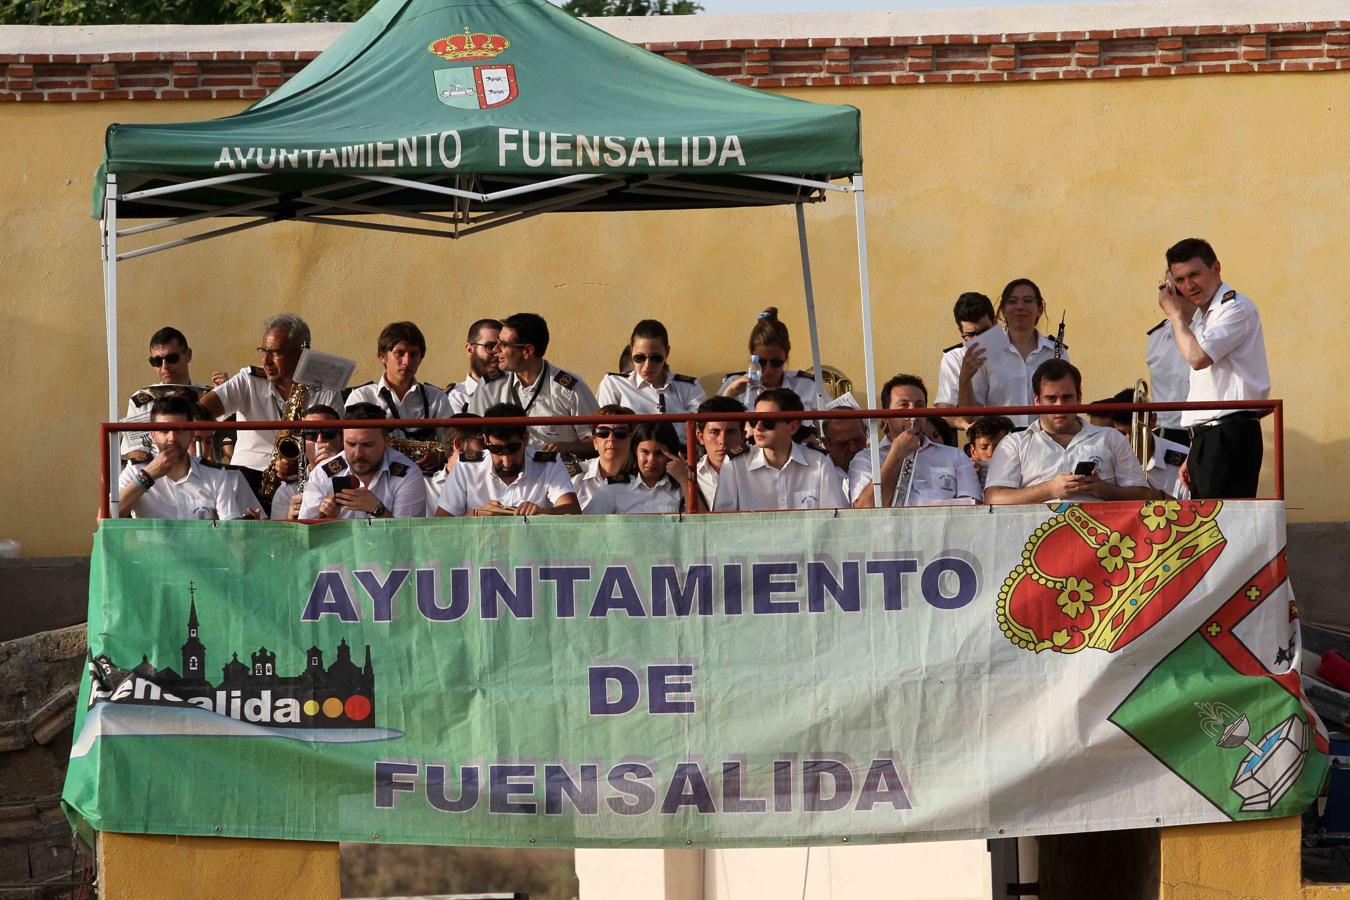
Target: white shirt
{"points": [[706, 476], [1026, 458], [423, 401], [207, 491], [798, 382], [1169, 375], [1164, 468], [949, 375], [1230, 334], [281, 501], [681, 393], [630, 494], [461, 393], [556, 392], [397, 483], [138, 409], [1005, 377], [473, 482], [809, 480], [252, 397], [940, 473], [588, 482]]}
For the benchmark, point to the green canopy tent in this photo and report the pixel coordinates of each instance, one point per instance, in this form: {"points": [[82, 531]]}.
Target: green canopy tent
{"points": [[455, 118]]}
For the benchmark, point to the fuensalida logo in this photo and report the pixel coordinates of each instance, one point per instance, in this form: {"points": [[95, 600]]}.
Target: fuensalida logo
{"points": [[474, 87]]}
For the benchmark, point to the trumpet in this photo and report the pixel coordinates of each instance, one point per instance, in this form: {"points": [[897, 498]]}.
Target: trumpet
{"points": [[1139, 430]]}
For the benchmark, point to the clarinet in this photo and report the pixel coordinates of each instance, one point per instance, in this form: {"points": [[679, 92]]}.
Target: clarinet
{"points": [[902, 484], [1059, 338]]}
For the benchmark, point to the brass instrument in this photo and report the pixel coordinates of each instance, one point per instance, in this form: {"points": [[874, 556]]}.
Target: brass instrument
{"points": [[904, 482], [834, 382], [288, 444], [416, 449], [1139, 430]]}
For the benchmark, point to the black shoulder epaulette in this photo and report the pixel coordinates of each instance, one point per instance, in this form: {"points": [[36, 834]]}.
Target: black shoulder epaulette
{"points": [[494, 376], [805, 373], [471, 456], [737, 451], [257, 372], [355, 386], [546, 456], [1156, 327], [565, 380], [1229, 296], [951, 348], [625, 478], [573, 467], [335, 466], [398, 469], [1174, 457], [617, 374], [211, 463], [140, 398], [687, 379]]}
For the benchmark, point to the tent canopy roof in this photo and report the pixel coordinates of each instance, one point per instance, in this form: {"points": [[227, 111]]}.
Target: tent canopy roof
{"points": [[477, 97]]}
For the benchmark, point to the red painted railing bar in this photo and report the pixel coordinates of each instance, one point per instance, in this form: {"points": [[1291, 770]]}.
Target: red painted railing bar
{"points": [[691, 459]]}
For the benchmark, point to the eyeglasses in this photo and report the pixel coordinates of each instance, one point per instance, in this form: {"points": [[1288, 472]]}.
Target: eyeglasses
{"points": [[328, 434], [764, 423], [273, 354], [773, 363], [501, 345], [974, 333], [604, 431], [168, 359], [486, 345], [655, 358], [1028, 301], [504, 449]]}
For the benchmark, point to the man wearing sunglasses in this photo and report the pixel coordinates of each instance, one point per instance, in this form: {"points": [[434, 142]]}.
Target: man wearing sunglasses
{"points": [[260, 393], [777, 473], [537, 386], [974, 314], [481, 349], [323, 441], [613, 468], [169, 357], [367, 480], [507, 479]]}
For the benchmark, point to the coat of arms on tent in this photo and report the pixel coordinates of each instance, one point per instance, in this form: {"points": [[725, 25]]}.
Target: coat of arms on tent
{"points": [[476, 87]]}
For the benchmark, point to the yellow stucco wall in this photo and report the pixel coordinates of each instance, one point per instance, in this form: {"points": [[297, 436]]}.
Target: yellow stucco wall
{"points": [[168, 867], [1080, 186]]}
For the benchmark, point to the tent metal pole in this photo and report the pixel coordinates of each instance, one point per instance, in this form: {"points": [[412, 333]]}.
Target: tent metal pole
{"points": [[193, 185], [804, 182], [810, 305], [869, 367], [109, 225]]}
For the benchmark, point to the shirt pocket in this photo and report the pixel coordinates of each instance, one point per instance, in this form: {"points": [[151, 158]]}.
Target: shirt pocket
{"points": [[938, 483]]}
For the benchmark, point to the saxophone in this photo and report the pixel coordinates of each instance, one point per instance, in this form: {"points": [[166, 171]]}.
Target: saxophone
{"points": [[287, 445]]}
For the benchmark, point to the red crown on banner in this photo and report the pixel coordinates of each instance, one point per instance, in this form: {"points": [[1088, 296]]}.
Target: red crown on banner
{"points": [[469, 45], [1100, 579]]}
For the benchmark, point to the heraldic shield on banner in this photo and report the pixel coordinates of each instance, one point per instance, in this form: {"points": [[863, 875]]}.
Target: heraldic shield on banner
{"points": [[476, 87], [1225, 710]]}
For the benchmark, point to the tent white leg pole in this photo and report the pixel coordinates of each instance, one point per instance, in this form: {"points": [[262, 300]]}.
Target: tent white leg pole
{"points": [[810, 302], [110, 323], [869, 367]]}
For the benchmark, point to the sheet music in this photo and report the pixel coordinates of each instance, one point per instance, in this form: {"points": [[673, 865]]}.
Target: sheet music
{"points": [[844, 401], [324, 370], [132, 439]]}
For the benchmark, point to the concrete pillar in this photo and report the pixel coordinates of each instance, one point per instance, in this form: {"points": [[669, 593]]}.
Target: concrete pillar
{"points": [[1254, 860], [154, 866]]}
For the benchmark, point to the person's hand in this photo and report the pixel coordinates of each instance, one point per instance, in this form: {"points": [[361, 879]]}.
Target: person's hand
{"points": [[971, 361], [358, 498], [293, 510], [286, 468], [431, 461], [253, 513], [1093, 485], [551, 447], [219, 378], [1171, 303], [328, 508], [908, 439], [736, 386], [1066, 484], [166, 460], [676, 467], [526, 508], [494, 508], [1185, 473]]}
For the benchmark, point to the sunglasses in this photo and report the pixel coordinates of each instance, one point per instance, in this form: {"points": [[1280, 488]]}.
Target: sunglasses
{"points": [[604, 431], [167, 359], [765, 424], [769, 363], [504, 449], [328, 434], [655, 358]]}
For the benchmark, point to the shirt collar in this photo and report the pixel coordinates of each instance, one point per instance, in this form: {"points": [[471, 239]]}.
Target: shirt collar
{"points": [[639, 382], [758, 460]]}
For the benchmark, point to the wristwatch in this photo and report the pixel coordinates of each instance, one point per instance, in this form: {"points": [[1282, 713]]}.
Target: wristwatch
{"points": [[380, 511]]}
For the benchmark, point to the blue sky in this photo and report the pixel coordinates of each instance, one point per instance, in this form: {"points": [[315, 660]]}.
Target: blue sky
{"points": [[771, 6]]}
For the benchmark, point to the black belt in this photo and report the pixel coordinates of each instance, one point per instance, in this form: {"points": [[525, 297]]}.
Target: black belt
{"points": [[1240, 416], [1176, 435]]}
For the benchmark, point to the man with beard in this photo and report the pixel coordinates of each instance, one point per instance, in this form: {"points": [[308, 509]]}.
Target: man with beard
{"points": [[175, 484], [259, 393], [506, 479], [367, 480], [481, 348], [1061, 457]]}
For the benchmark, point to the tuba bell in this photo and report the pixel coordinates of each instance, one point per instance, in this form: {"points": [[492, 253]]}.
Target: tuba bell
{"points": [[1139, 430]]}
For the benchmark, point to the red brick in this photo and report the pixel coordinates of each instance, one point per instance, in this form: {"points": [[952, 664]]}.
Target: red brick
{"points": [[824, 41], [850, 81], [1265, 28], [1268, 67], [64, 58], [837, 53], [796, 81], [1296, 67], [904, 40], [186, 68], [745, 80], [960, 38], [1209, 29], [143, 82], [32, 96], [989, 76], [962, 77], [1322, 26], [1254, 54], [1129, 71], [879, 41], [185, 81], [1339, 52], [921, 65], [715, 45], [174, 55], [1170, 44], [1003, 65], [906, 79], [1003, 50], [1019, 38], [1186, 70], [173, 95], [1338, 37], [307, 54], [103, 84], [1073, 74], [1214, 56], [1103, 73], [89, 57], [253, 93], [20, 84], [8, 97], [920, 52], [750, 69], [1253, 40], [226, 93], [881, 65], [1237, 29], [1293, 26], [1323, 66], [1044, 36], [1156, 32], [1298, 53], [1073, 35], [852, 42], [1170, 57], [1088, 47], [837, 68], [103, 70], [146, 56], [769, 82], [1017, 76], [59, 96], [757, 56], [681, 58], [1120, 33], [18, 70], [660, 46], [1158, 70], [200, 94], [1045, 62], [1046, 75], [796, 42], [1242, 67], [224, 81], [743, 43], [53, 84], [932, 39], [936, 78], [201, 54]]}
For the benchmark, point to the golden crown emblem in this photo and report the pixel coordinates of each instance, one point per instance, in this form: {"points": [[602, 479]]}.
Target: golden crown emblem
{"points": [[1100, 579], [469, 46]]}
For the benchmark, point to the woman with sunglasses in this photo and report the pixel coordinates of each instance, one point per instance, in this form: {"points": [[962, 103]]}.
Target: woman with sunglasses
{"points": [[998, 364], [651, 387], [320, 445], [612, 467], [770, 342], [658, 479]]}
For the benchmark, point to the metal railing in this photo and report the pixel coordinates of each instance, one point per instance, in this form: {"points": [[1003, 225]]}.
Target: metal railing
{"points": [[1274, 408]]}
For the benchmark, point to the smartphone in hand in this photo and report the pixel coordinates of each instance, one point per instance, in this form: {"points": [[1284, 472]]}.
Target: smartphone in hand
{"points": [[343, 483], [1085, 468]]}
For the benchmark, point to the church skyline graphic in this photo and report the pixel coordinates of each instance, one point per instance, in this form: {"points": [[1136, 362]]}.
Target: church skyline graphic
{"points": [[341, 695]]}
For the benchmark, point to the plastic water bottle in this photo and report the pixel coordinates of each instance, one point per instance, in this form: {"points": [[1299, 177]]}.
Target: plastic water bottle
{"points": [[755, 373]]}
